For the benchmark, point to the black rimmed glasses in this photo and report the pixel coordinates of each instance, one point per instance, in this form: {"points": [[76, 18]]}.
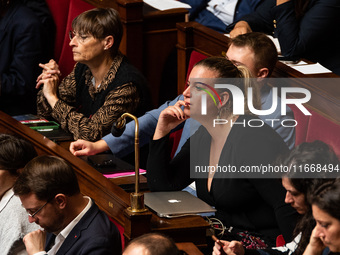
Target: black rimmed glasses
{"points": [[81, 38], [37, 211]]}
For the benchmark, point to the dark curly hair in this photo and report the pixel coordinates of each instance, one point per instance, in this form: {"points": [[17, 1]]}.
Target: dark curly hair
{"points": [[316, 152]]}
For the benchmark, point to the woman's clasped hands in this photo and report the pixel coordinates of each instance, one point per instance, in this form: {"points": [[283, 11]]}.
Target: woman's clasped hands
{"points": [[50, 79]]}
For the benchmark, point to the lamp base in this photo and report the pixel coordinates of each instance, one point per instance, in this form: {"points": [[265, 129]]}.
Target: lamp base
{"points": [[137, 203]]}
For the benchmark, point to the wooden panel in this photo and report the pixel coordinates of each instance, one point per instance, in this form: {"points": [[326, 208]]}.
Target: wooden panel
{"points": [[109, 197], [160, 38]]}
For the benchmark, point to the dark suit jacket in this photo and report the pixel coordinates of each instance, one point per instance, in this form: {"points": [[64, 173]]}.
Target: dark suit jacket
{"points": [[94, 234], [21, 36], [315, 36]]}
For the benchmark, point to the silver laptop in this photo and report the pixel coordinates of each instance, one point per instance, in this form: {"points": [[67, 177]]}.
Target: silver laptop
{"points": [[173, 204]]}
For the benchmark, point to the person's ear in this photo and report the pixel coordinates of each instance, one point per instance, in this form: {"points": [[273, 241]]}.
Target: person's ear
{"points": [[108, 42], [224, 98], [263, 73], [60, 200]]}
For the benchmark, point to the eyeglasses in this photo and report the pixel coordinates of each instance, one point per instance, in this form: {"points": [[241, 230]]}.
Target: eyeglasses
{"points": [[81, 38], [37, 211], [217, 227]]}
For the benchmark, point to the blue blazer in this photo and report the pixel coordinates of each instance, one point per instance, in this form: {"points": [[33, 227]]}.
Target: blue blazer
{"points": [[94, 234], [315, 36]]}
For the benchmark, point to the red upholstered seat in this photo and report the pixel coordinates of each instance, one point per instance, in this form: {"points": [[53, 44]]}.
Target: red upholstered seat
{"points": [[302, 126], [320, 128], [316, 127], [121, 231], [194, 58], [174, 138], [59, 10]]}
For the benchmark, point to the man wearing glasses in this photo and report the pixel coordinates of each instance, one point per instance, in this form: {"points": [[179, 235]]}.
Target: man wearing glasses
{"points": [[72, 223]]}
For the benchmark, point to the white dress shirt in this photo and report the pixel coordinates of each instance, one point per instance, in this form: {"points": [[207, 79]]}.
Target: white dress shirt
{"points": [[223, 9], [60, 238]]}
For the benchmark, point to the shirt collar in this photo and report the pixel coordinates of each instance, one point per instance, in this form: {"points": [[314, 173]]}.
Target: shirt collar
{"points": [[265, 92], [66, 231]]}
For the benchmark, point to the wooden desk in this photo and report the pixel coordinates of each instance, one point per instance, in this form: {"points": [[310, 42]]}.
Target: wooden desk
{"points": [[109, 197]]}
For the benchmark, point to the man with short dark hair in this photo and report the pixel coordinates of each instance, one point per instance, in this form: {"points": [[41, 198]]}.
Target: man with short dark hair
{"points": [[254, 50], [73, 224], [258, 53]]}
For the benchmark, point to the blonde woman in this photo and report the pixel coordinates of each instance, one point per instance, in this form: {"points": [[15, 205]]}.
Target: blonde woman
{"points": [[248, 207]]}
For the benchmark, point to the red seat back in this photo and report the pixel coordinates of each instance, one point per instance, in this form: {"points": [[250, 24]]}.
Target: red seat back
{"points": [[194, 58], [302, 126], [121, 231], [59, 10], [321, 128], [316, 127]]}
